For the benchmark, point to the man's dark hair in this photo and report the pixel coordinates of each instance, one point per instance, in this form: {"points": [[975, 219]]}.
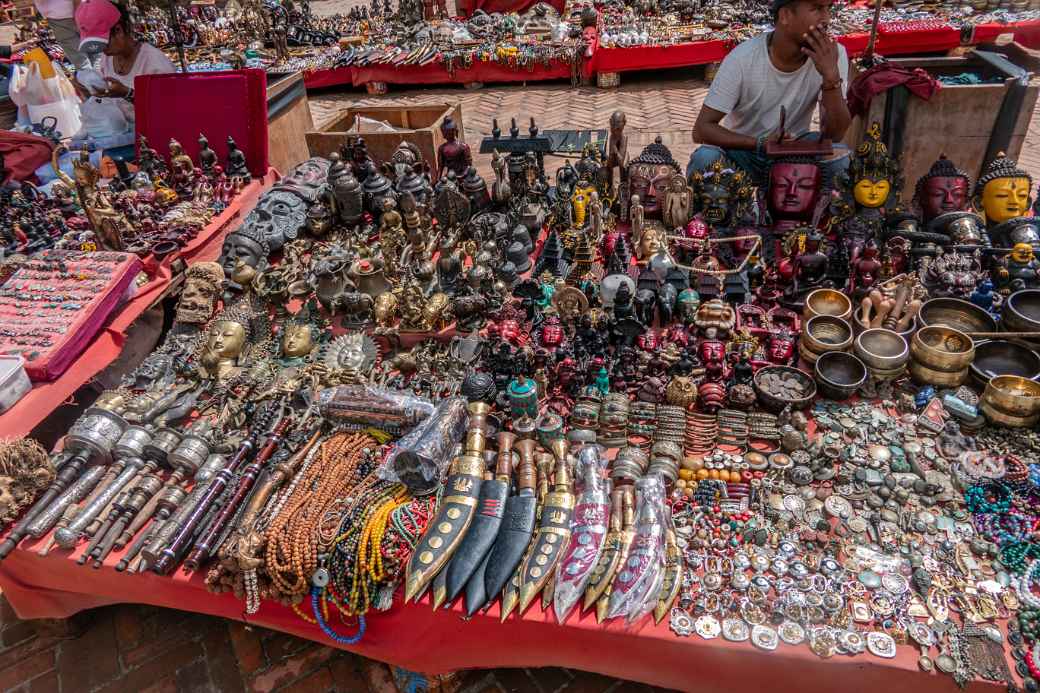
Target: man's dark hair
{"points": [[774, 9]]}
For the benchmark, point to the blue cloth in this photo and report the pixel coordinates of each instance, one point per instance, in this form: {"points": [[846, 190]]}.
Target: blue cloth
{"points": [[757, 165]]}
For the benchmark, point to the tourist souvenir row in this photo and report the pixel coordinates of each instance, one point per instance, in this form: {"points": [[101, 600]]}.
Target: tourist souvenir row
{"points": [[803, 412], [289, 37]]}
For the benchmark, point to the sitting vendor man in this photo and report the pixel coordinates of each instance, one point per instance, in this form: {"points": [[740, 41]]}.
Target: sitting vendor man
{"points": [[797, 65]]}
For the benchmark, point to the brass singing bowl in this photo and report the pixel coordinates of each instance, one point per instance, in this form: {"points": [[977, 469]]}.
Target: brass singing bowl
{"points": [[1011, 400], [822, 334], [998, 357], [858, 326], [839, 374], [827, 302], [1021, 312], [958, 314], [923, 375], [941, 348], [882, 350]]}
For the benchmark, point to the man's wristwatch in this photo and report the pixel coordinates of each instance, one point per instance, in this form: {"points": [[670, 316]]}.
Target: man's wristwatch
{"points": [[827, 86]]}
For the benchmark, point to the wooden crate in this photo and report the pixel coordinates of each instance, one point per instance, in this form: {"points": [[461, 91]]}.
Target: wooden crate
{"points": [[288, 119], [958, 121], [420, 125]]}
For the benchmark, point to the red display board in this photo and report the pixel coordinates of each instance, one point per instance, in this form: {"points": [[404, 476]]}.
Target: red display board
{"points": [[44, 398], [420, 639], [659, 57], [216, 104], [467, 7], [435, 73]]}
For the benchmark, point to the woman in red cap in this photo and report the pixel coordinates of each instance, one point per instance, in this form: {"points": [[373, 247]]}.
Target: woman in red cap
{"points": [[105, 27]]}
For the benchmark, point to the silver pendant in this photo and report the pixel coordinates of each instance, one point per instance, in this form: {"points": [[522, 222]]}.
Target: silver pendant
{"points": [[881, 644], [791, 633], [681, 623], [764, 637], [852, 641], [735, 630], [707, 627]]}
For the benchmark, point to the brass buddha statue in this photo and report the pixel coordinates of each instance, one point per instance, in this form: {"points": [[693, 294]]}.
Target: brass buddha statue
{"points": [[1002, 195]]}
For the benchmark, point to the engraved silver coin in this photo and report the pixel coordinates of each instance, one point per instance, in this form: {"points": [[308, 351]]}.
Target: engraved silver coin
{"points": [[791, 633], [764, 637], [881, 644], [735, 630], [707, 627]]}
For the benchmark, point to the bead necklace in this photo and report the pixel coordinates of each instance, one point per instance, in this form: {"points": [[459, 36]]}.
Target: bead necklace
{"points": [[292, 545]]}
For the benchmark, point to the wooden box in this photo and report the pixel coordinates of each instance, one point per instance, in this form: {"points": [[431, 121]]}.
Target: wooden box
{"points": [[288, 121], [420, 125], [959, 120]]}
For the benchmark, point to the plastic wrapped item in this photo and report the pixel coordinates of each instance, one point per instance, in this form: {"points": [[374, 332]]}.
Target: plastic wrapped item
{"points": [[638, 581], [368, 405], [588, 532], [421, 457], [14, 382]]}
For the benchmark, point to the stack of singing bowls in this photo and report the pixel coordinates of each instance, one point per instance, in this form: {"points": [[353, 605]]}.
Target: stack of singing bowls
{"points": [[884, 353], [822, 334], [827, 302], [1021, 313], [940, 356], [1012, 401]]}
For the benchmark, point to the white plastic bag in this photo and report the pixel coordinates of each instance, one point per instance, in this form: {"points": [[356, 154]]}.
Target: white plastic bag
{"points": [[102, 117], [38, 98]]}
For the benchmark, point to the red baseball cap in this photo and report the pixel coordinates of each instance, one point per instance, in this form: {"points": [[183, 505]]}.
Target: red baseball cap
{"points": [[95, 19]]}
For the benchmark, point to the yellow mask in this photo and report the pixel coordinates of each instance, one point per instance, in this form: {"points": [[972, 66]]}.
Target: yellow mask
{"points": [[1022, 252], [1005, 198], [871, 193]]}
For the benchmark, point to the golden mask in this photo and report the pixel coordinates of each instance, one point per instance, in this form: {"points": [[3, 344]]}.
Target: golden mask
{"points": [[226, 340], [871, 193], [1022, 252], [298, 341], [1005, 198]]}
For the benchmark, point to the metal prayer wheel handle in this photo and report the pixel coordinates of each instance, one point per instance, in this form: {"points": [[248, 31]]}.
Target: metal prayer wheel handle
{"points": [[166, 559], [67, 537], [163, 444], [126, 507], [504, 461], [52, 512], [476, 433], [190, 455], [166, 525], [526, 473]]}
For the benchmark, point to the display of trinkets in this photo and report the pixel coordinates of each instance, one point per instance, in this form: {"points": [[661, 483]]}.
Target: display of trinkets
{"points": [[384, 383]]}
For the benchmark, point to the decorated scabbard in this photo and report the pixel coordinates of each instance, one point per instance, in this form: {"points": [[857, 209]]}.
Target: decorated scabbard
{"points": [[642, 567], [588, 534], [554, 531], [514, 536], [673, 566], [482, 532], [622, 521], [458, 506]]}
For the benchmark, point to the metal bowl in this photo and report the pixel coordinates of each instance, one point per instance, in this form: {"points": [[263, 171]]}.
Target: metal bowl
{"points": [[1009, 400], [942, 348], [997, 357], [822, 334], [882, 349], [923, 375], [958, 314], [858, 326], [827, 302], [1021, 311], [776, 403], [839, 375]]}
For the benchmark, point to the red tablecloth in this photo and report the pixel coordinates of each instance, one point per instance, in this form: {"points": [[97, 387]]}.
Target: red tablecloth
{"points": [[44, 398], [1026, 33], [434, 73], [659, 57], [904, 42], [854, 44], [421, 639], [468, 7]]}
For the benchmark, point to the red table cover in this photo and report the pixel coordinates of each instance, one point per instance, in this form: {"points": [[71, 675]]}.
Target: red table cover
{"points": [[659, 57], [434, 73], [44, 398], [468, 7], [418, 638], [1026, 33]]}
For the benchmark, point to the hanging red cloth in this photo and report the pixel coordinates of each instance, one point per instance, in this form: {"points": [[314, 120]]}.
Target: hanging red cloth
{"points": [[885, 76]]}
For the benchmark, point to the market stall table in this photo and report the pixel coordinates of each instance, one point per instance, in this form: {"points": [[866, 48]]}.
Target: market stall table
{"points": [[418, 638], [44, 398], [435, 73], [466, 8]]}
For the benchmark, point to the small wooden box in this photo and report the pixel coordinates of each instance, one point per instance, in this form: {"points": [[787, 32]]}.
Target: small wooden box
{"points": [[288, 119], [420, 125]]}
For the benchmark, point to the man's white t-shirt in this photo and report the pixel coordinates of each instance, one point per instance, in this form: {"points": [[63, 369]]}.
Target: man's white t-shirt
{"points": [[750, 90]]}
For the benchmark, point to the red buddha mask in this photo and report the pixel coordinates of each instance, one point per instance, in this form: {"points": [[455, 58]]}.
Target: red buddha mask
{"points": [[943, 194], [780, 348], [650, 181], [794, 188]]}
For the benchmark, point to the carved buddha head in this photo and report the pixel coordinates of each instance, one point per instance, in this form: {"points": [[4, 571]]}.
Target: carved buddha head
{"points": [[648, 176], [248, 247], [1003, 190], [202, 284], [873, 174], [226, 340], [945, 188], [721, 193], [794, 187], [298, 340]]}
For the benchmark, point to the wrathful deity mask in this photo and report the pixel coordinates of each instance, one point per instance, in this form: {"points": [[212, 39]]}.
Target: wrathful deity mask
{"points": [[871, 193], [648, 176], [202, 286], [794, 187], [943, 189], [721, 192]]}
